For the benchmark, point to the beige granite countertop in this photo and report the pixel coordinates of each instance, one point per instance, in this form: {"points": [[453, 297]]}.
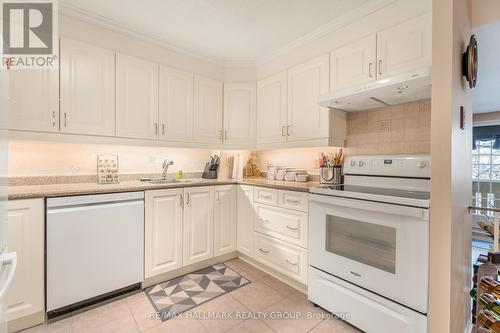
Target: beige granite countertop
{"points": [[59, 190]]}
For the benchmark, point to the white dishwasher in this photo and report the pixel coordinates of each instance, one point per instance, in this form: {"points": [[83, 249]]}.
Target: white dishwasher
{"points": [[94, 248]]}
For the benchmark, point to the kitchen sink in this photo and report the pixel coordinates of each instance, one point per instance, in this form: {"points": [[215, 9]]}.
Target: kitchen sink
{"points": [[166, 181]]}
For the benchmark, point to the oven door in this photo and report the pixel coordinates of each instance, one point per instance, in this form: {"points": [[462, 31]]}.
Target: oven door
{"points": [[381, 247]]}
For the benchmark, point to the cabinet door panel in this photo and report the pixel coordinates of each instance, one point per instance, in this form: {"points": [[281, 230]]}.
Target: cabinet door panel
{"points": [[25, 228], [272, 109], [163, 231], [354, 63], [225, 220], [306, 119], [207, 110], [245, 213], [176, 105], [136, 98], [198, 224], [405, 47], [87, 89], [40, 110], [239, 113]]}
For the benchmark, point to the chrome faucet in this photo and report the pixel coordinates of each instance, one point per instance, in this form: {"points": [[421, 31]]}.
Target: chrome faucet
{"points": [[166, 164]]}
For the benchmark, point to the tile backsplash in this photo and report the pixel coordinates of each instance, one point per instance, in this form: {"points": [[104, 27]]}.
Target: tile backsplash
{"points": [[400, 129]]}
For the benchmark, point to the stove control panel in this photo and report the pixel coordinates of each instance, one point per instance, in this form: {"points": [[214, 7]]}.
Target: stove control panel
{"points": [[418, 166]]}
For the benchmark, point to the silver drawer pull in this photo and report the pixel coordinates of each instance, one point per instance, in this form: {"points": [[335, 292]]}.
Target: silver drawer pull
{"points": [[291, 263], [292, 228], [263, 220], [293, 201], [267, 196], [263, 251]]}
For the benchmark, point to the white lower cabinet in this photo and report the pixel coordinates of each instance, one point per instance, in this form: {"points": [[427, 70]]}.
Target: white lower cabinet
{"points": [[225, 220], [245, 217], [26, 238], [198, 234], [281, 256], [163, 231], [280, 231], [285, 224]]}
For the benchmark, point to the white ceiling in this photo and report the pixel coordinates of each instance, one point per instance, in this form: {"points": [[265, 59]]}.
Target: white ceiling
{"points": [[224, 31], [486, 95]]}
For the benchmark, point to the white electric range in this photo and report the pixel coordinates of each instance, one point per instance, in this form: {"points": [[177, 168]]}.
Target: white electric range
{"points": [[369, 243]]}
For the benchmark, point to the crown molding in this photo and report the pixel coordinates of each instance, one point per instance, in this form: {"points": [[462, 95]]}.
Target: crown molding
{"points": [[330, 27], [107, 23]]}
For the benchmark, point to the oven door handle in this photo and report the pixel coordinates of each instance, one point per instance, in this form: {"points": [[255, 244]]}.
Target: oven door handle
{"points": [[331, 203]]}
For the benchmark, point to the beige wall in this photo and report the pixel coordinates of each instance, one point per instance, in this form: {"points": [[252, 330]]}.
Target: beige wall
{"points": [[303, 158], [450, 228], [397, 129], [485, 12], [37, 158]]}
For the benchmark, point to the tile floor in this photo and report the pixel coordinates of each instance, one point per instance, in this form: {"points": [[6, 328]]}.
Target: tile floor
{"points": [[261, 307]]}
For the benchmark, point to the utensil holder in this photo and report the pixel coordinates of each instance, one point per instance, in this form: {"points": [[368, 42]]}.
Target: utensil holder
{"points": [[209, 174], [330, 175]]}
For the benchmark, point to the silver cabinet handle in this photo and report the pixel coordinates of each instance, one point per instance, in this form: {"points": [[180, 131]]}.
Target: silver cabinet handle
{"points": [[225, 135], [65, 120], [380, 67], [293, 201], [291, 263], [263, 251], [263, 220], [156, 128], [218, 195], [163, 128], [188, 199], [181, 200], [288, 130], [283, 131], [267, 196], [370, 66], [53, 119], [291, 228]]}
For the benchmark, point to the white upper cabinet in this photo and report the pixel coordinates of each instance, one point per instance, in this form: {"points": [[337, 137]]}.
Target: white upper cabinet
{"points": [[176, 105], [240, 113], [136, 98], [198, 231], [272, 109], [405, 47], [34, 100], [306, 119], [354, 63], [207, 126], [87, 89], [225, 220], [163, 231]]}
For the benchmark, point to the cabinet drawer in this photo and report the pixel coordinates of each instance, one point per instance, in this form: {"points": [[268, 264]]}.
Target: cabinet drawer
{"points": [[266, 196], [294, 200], [284, 224], [285, 258]]}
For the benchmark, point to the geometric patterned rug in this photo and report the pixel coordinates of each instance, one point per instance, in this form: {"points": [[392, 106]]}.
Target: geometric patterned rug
{"points": [[175, 296]]}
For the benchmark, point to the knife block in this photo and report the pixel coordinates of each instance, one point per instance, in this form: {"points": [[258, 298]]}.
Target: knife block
{"points": [[209, 174]]}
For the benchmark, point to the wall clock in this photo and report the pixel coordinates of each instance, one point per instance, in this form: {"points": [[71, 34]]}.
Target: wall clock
{"points": [[469, 62]]}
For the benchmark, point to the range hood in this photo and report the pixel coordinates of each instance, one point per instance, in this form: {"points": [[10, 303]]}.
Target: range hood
{"points": [[403, 88]]}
